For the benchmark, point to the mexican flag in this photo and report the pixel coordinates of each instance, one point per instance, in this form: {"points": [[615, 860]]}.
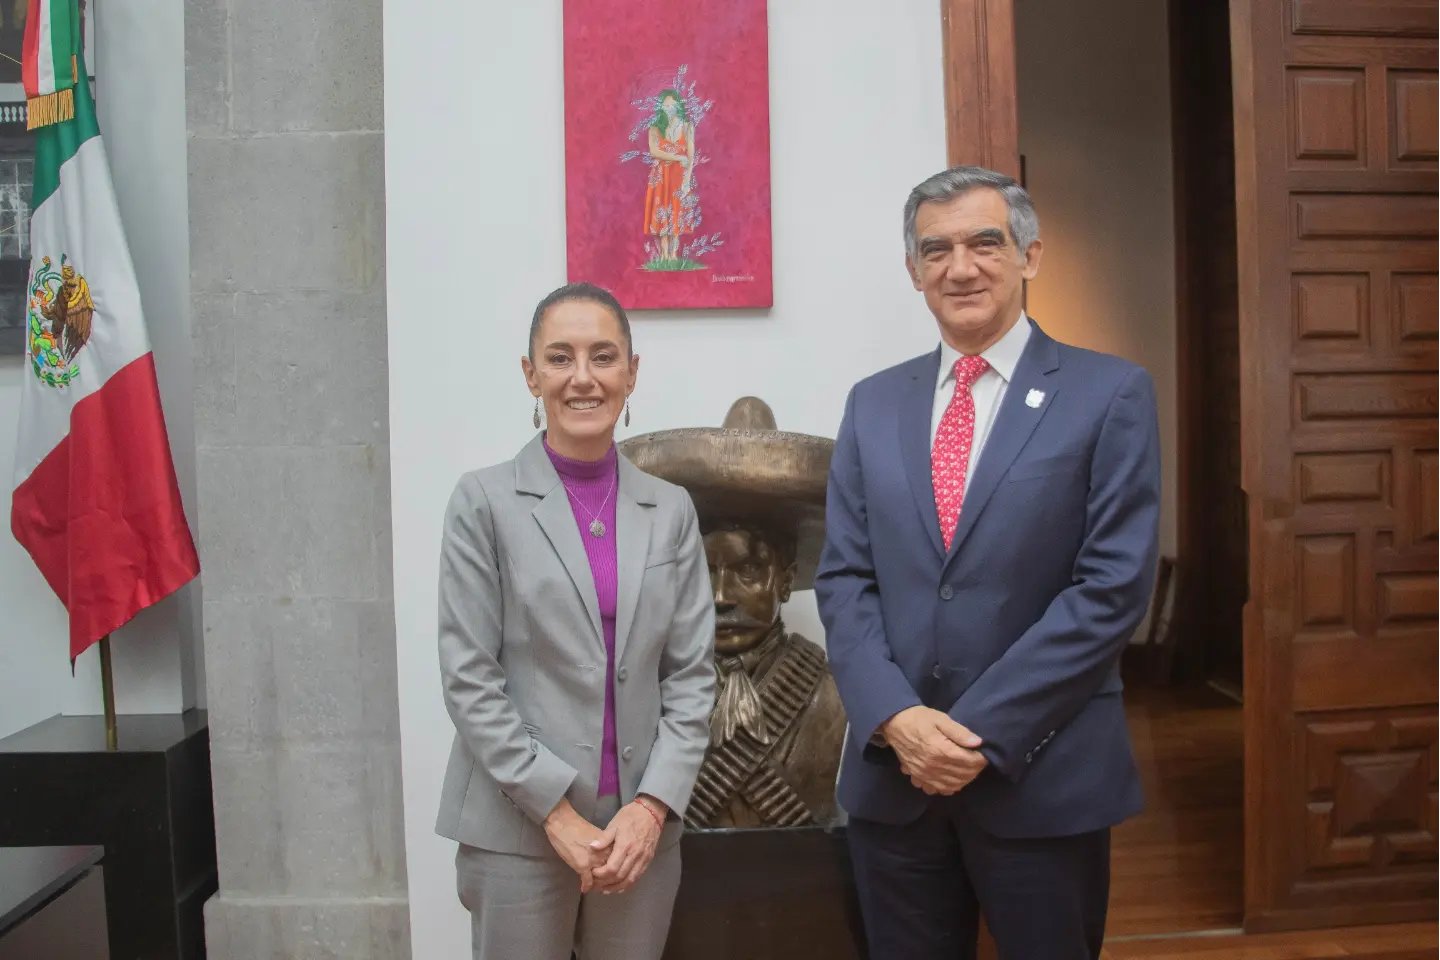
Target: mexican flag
{"points": [[95, 499]]}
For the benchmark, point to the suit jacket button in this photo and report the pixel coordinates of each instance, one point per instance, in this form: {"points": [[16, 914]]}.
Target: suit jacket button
{"points": [[627, 753], [621, 674], [946, 592], [936, 671]]}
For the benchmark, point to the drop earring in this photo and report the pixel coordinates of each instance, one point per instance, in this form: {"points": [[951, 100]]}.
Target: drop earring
{"points": [[627, 413], [535, 417]]}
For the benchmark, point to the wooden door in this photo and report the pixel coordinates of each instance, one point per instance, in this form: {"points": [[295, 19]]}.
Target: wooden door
{"points": [[1335, 140]]}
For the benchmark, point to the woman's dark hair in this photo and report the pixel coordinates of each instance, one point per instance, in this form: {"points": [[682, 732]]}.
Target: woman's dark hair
{"points": [[662, 120], [585, 292]]}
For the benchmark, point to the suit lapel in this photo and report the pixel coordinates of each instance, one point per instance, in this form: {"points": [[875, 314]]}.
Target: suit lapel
{"points": [[535, 475], [917, 409], [1014, 422], [632, 547], [558, 521]]}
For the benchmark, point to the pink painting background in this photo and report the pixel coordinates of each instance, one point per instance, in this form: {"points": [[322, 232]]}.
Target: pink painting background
{"points": [[619, 51]]}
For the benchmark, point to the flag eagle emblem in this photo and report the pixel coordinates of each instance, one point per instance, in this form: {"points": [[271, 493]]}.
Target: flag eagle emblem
{"points": [[59, 314]]}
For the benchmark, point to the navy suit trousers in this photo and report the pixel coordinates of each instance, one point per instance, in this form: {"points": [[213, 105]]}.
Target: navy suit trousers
{"points": [[923, 886]]}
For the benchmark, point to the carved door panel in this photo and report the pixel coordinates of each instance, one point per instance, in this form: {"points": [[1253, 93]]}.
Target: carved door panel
{"points": [[1335, 135]]}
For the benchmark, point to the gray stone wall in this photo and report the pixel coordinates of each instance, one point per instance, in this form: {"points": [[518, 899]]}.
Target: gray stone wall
{"points": [[287, 203]]}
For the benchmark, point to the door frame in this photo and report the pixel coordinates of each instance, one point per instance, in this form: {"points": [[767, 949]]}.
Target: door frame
{"points": [[982, 121]]}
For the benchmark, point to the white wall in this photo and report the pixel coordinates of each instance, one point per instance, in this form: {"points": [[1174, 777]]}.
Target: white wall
{"points": [[140, 92], [1095, 133], [33, 667], [475, 235]]}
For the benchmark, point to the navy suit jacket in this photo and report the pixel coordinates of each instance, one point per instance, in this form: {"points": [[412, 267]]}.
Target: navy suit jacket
{"points": [[1017, 631]]}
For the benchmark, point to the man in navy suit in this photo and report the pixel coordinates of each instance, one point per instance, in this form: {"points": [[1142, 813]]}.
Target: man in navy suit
{"points": [[990, 548]]}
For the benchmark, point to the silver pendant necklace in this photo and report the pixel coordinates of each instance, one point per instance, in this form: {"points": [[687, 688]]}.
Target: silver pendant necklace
{"points": [[597, 526]]}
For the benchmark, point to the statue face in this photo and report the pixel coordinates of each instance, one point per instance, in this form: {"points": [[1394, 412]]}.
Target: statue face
{"points": [[751, 579]]}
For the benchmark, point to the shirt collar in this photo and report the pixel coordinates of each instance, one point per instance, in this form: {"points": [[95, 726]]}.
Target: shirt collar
{"points": [[1003, 355]]}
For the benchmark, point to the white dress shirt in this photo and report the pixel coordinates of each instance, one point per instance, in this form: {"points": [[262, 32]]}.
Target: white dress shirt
{"points": [[987, 391]]}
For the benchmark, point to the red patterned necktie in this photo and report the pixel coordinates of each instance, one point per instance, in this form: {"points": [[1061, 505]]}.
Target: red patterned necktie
{"points": [[950, 457]]}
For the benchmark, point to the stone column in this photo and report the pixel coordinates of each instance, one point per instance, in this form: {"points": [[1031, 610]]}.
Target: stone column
{"points": [[287, 198]]}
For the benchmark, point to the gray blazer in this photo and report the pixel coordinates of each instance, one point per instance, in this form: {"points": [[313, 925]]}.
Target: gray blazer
{"points": [[522, 655]]}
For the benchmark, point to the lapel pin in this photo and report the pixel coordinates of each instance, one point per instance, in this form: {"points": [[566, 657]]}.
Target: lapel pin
{"points": [[1034, 398]]}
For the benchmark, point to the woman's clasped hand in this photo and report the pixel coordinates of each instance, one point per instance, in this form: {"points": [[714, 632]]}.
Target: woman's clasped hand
{"points": [[609, 860]]}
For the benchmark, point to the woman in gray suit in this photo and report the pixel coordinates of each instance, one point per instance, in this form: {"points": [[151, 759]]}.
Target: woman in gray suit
{"points": [[576, 636]]}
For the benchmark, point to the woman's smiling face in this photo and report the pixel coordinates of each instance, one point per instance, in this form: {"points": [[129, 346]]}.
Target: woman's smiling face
{"points": [[583, 371]]}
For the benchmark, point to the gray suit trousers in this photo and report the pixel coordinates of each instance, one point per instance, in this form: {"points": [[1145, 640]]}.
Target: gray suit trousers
{"points": [[530, 907]]}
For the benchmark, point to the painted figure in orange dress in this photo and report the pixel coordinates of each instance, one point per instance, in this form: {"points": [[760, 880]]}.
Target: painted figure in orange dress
{"points": [[672, 145]]}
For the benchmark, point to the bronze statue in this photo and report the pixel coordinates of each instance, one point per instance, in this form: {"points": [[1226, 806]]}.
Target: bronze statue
{"points": [[777, 727]]}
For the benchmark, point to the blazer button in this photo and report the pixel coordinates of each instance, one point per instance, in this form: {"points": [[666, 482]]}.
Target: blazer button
{"points": [[946, 592], [936, 672], [621, 674], [627, 753]]}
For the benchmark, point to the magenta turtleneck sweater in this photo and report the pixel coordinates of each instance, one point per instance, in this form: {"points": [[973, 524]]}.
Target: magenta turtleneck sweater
{"points": [[593, 488]]}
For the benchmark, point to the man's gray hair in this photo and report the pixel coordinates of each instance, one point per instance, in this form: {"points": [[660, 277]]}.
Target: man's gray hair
{"points": [[949, 184]]}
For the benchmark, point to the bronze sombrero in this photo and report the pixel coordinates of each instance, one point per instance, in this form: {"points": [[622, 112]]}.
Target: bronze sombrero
{"points": [[746, 471]]}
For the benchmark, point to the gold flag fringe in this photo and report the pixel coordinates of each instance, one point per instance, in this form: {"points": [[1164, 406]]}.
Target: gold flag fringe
{"points": [[51, 108]]}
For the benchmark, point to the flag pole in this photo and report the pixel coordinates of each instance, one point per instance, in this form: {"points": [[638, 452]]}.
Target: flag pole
{"points": [[107, 691]]}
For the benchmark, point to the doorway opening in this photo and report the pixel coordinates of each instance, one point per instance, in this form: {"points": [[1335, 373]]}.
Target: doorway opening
{"points": [[1126, 138]]}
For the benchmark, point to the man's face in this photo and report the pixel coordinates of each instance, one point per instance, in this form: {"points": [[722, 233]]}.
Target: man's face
{"points": [[751, 579], [968, 268]]}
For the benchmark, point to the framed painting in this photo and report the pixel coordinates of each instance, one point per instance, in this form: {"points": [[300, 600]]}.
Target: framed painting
{"points": [[667, 151]]}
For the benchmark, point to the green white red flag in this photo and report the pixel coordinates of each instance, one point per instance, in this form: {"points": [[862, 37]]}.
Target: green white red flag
{"points": [[95, 500], [50, 61]]}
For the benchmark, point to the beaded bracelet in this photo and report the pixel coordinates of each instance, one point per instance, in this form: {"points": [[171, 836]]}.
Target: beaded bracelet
{"points": [[646, 807]]}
